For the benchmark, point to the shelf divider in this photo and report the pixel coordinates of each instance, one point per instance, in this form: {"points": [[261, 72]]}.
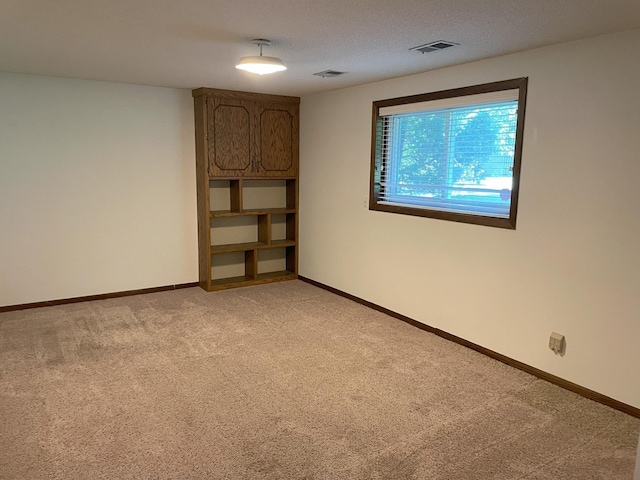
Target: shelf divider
{"points": [[264, 228], [236, 195], [251, 264]]}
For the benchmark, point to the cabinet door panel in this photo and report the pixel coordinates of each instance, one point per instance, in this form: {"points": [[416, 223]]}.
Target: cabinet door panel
{"points": [[229, 137], [278, 140]]}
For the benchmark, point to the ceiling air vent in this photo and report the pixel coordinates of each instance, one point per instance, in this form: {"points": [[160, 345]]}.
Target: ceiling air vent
{"points": [[433, 46], [329, 73]]}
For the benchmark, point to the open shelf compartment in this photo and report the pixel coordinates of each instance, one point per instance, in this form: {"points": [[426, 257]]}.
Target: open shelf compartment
{"points": [[252, 231]]}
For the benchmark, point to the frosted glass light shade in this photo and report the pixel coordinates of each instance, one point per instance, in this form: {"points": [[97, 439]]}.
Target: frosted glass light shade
{"points": [[261, 65]]}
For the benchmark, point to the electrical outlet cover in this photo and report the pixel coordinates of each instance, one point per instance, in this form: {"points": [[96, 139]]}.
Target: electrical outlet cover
{"points": [[556, 342]]}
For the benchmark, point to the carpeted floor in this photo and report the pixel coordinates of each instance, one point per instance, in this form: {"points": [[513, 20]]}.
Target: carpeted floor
{"points": [[281, 381]]}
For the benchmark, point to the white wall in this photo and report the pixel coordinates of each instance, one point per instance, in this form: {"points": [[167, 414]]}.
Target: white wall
{"points": [[97, 188], [572, 265]]}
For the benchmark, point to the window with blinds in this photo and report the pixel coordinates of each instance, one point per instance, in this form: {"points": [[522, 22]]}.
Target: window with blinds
{"points": [[453, 155]]}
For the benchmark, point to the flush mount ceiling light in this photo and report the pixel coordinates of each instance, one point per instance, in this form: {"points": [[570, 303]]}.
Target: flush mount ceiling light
{"points": [[259, 64]]}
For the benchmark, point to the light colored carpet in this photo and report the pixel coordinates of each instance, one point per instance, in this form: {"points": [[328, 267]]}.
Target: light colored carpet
{"points": [[280, 381]]}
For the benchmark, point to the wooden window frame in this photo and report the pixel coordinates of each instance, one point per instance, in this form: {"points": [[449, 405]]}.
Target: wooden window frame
{"points": [[377, 125]]}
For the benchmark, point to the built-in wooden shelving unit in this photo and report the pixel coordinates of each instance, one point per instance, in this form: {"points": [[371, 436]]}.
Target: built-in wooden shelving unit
{"points": [[247, 174]]}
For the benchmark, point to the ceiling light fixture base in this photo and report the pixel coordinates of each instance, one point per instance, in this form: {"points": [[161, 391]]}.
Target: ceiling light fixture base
{"points": [[261, 41]]}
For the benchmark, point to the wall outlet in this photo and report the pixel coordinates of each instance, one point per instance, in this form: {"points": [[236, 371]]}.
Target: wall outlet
{"points": [[556, 342]]}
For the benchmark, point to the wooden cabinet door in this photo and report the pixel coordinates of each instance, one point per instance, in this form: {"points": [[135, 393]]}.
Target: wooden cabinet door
{"points": [[230, 137], [276, 139]]}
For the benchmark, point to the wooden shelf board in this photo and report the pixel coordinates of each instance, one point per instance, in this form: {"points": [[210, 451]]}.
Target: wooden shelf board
{"points": [[279, 275], [269, 277], [223, 213], [230, 281], [252, 177], [236, 247], [281, 243], [243, 247], [264, 211]]}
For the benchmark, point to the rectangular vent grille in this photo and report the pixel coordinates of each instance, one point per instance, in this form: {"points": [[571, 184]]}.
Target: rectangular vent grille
{"points": [[433, 46], [329, 73]]}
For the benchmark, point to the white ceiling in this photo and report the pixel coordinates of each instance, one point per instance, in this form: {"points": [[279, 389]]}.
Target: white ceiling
{"points": [[195, 43]]}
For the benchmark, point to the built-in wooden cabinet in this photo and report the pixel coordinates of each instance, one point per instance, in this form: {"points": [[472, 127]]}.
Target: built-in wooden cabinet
{"points": [[247, 186], [254, 135]]}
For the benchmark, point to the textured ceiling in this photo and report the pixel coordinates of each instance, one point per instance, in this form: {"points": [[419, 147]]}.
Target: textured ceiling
{"points": [[194, 43]]}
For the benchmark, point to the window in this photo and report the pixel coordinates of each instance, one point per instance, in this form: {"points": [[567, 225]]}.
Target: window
{"points": [[452, 155]]}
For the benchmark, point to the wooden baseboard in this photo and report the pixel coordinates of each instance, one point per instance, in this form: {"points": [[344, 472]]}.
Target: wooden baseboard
{"points": [[103, 296], [561, 382]]}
